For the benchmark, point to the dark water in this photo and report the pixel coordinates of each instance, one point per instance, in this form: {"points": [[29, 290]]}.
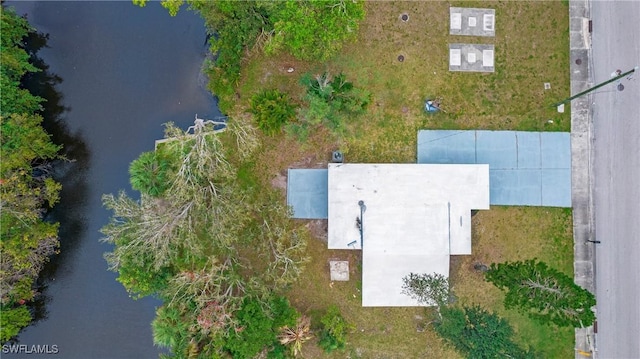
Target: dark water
{"points": [[119, 72]]}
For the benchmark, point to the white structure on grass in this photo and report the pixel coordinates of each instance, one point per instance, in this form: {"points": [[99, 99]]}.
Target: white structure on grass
{"points": [[414, 217]]}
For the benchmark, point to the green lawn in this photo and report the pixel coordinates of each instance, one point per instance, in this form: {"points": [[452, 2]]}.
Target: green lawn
{"points": [[531, 48]]}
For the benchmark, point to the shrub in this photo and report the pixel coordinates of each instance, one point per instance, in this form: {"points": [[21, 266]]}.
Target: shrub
{"points": [[150, 173], [259, 326], [297, 335], [170, 330], [331, 100], [254, 331], [272, 109], [335, 328]]}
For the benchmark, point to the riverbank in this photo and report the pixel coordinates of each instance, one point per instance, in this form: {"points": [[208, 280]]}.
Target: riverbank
{"points": [[123, 71]]}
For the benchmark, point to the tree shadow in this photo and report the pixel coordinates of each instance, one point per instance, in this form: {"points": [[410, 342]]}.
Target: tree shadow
{"points": [[70, 171]]}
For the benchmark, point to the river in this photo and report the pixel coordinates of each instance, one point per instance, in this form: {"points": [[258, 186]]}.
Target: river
{"points": [[124, 71]]}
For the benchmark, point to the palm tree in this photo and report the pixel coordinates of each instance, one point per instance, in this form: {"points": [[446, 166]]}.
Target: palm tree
{"points": [[297, 335], [167, 327], [149, 173]]}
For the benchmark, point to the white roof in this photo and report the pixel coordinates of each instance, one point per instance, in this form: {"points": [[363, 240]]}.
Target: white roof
{"points": [[415, 217]]}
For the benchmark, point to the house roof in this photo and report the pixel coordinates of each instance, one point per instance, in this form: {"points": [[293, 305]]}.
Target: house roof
{"points": [[414, 217]]}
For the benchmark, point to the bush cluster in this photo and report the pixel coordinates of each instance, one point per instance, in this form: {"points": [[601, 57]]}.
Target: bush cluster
{"points": [[272, 109], [334, 330]]}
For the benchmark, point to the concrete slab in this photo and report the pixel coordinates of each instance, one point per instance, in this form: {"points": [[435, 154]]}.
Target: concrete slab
{"points": [[455, 20], [515, 188], [465, 57], [455, 57], [339, 271], [582, 184], [487, 58], [497, 148], [307, 193], [553, 153], [528, 150], [457, 147], [556, 187], [471, 57], [472, 21]]}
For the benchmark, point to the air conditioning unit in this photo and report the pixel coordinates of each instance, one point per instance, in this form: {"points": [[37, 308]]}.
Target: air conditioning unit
{"points": [[337, 157]]}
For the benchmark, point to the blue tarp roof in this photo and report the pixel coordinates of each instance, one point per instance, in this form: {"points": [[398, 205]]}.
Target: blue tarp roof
{"points": [[525, 168]]}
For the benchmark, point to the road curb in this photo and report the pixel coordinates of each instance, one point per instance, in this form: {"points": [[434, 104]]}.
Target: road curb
{"points": [[581, 163]]}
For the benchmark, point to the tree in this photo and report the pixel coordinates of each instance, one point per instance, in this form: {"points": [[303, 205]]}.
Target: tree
{"points": [[173, 6], [544, 293], [334, 331], [12, 320], [205, 243], [427, 289], [314, 29], [336, 91], [27, 189], [331, 100], [150, 173], [16, 63], [308, 29], [272, 109], [170, 330], [236, 28], [476, 333], [473, 331], [296, 335], [258, 325]]}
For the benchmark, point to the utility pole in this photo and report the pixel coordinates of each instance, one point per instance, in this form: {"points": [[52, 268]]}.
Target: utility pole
{"points": [[616, 78]]}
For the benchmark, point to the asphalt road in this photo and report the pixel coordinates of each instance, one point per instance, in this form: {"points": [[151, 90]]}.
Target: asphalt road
{"points": [[616, 170]]}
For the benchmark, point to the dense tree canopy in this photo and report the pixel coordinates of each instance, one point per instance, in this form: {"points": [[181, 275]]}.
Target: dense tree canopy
{"points": [[204, 244], [544, 293], [26, 187], [307, 29], [15, 64], [314, 29], [472, 331], [479, 334]]}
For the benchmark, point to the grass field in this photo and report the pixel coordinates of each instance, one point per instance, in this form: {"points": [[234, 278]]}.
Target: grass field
{"points": [[531, 48]]}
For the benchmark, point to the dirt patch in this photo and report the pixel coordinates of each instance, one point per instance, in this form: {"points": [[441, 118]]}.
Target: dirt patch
{"points": [[310, 161], [318, 229], [279, 181]]}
